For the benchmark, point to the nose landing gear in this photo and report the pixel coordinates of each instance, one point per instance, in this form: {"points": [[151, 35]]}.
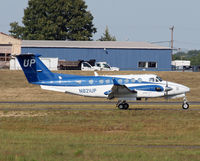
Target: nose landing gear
{"points": [[185, 105], [122, 105]]}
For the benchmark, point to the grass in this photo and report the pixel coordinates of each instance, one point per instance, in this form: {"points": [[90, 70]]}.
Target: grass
{"points": [[99, 135], [59, 133], [14, 86]]}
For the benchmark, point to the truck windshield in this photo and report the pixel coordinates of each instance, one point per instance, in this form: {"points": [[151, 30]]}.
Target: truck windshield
{"points": [[86, 65], [98, 65], [106, 66]]}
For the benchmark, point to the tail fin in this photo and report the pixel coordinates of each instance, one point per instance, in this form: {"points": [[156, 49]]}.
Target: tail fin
{"points": [[34, 69]]}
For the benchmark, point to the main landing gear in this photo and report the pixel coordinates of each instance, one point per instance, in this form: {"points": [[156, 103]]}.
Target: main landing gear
{"points": [[122, 105], [185, 105]]}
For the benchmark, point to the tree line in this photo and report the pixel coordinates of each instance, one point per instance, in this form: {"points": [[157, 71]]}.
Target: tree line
{"points": [[57, 20], [192, 55]]}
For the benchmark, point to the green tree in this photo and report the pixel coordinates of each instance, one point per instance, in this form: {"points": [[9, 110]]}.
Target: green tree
{"points": [[192, 55], [55, 20], [106, 36]]}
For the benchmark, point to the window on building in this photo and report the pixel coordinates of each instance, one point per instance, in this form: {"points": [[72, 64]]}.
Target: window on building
{"points": [[152, 65], [5, 57], [142, 64]]}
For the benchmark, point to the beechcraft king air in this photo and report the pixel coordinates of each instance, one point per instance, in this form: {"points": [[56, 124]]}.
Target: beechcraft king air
{"points": [[121, 87]]}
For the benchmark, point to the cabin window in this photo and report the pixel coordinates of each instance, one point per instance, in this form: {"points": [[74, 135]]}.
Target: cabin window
{"points": [[79, 81], [133, 80], [101, 81], [140, 80], [107, 81], [151, 79], [126, 81], [91, 81], [120, 81]]}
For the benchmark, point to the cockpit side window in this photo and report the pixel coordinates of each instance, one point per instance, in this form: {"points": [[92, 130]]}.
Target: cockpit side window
{"points": [[158, 79], [151, 79]]}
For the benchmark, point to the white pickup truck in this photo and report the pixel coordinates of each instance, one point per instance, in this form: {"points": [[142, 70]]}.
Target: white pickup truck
{"points": [[85, 66], [106, 67]]}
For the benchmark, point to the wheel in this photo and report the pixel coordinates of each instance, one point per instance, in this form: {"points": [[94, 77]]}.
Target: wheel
{"points": [[123, 106], [126, 106], [185, 106]]}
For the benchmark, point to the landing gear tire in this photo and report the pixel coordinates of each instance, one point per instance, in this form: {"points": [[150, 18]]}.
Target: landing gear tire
{"points": [[123, 106], [126, 106], [185, 106]]}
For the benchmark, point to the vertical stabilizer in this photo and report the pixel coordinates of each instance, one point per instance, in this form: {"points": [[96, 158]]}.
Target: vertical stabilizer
{"points": [[34, 69]]}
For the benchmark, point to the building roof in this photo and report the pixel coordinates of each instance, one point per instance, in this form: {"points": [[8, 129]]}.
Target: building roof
{"points": [[3, 34], [91, 44]]}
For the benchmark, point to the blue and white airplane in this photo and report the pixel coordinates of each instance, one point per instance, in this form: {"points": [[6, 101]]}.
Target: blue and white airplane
{"points": [[122, 87]]}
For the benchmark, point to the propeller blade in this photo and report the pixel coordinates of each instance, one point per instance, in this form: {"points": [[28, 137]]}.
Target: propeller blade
{"points": [[167, 88]]}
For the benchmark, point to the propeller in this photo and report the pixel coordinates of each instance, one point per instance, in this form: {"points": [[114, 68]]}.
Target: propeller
{"points": [[167, 88]]}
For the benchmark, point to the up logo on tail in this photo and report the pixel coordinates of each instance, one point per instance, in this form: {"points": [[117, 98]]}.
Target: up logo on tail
{"points": [[28, 62]]}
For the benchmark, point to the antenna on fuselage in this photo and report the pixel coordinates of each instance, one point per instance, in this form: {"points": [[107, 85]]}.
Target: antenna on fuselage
{"points": [[96, 74]]}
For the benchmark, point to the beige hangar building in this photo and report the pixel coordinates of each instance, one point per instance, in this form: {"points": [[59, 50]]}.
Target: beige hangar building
{"points": [[9, 46]]}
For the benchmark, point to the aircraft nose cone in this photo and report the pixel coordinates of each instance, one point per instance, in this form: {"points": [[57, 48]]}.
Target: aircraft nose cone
{"points": [[185, 89]]}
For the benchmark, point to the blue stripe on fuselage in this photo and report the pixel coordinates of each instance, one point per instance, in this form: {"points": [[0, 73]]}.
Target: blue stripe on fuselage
{"points": [[152, 88], [88, 81]]}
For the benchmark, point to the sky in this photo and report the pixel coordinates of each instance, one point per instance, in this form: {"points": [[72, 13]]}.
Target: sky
{"points": [[132, 20]]}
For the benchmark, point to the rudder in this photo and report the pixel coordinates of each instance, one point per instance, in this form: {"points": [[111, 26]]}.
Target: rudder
{"points": [[34, 69]]}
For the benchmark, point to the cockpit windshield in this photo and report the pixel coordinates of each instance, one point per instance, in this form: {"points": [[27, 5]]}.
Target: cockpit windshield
{"points": [[158, 79]]}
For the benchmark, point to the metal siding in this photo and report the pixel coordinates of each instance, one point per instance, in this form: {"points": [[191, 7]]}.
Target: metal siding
{"points": [[125, 59]]}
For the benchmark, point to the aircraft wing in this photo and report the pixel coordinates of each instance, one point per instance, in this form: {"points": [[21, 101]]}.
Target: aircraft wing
{"points": [[120, 91]]}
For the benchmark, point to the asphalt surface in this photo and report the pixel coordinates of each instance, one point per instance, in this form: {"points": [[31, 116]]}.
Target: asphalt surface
{"points": [[95, 103], [91, 103]]}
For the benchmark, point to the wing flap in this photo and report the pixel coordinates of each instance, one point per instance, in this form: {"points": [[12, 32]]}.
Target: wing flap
{"points": [[118, 91]]}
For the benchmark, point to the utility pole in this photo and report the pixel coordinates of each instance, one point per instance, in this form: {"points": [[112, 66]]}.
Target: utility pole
{"points": [[172, 38]]}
